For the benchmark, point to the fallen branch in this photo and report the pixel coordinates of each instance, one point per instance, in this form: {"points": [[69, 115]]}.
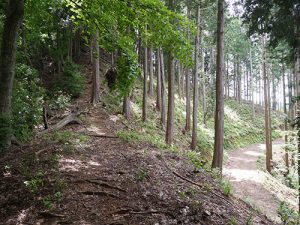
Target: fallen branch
{"points": [[100, 135], [49, 214], [99, 193], [105, 185], [72, 118]]}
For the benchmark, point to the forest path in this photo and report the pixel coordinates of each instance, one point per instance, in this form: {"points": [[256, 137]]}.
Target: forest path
{"points": [[254, 185]]}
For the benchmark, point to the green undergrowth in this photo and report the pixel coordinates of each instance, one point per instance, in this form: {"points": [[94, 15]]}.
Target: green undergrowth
{"points": [[240, 129]]}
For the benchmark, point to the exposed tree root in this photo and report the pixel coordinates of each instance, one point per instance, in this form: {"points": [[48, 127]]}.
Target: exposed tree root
{"points": [[99, 193]]}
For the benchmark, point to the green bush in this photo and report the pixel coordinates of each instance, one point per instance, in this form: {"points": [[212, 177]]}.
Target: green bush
{"points": [[27, 102], [288, 215], [72, 81]]}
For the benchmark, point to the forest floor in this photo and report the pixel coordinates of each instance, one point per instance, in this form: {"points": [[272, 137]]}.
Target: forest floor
{"points": [[85, 174], [254, 184]]}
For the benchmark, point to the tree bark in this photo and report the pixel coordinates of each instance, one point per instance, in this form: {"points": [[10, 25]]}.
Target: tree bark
{"points": [[195, 83], [12, 22], [96, 77], [163, 88], [158, 75], [252, 86], [171, 82], [150, 72], [126, 107], [286, 156], [187, 92], [219, 114], [266, 101], [144, 114]]}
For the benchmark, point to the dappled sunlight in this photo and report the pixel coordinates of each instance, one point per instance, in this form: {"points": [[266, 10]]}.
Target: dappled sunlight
{"points": [[231, 114], [75, 165], [96, 130], [238, 175], [264, 190]]}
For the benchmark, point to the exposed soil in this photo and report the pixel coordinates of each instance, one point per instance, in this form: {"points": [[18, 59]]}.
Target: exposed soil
{"points": [[253, 184], [109, 181]]}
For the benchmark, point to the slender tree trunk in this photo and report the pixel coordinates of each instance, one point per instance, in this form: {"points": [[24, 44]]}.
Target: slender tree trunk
{"points": [[171, 83], [252, 87], [187, 92], [12, 22], [219, 114], [163, 88], [266, 101], [274, 102], [158, 75], [285, 121], [144, 114], [179, 79], [195, 82], [96, 77], [239, 77], [150, 72]]}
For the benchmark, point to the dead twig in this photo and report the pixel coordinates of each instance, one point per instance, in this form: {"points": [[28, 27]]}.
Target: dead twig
{"points": [[99, 193]]}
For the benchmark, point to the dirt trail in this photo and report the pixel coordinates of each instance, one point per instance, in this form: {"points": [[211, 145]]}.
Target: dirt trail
{"points": [[254, 185]]}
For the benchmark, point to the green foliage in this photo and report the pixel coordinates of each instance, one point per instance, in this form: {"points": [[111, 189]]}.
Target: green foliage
{"points": [[72, 81], [288, 215], [34, 184], [141, 174], [27, 102], [195, 159], [128, 70], [128, 135], [59, 100], [226, 187]]}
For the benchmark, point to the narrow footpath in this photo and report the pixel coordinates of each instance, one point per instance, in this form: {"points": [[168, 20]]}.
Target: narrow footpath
{"points": [[251, 183]]}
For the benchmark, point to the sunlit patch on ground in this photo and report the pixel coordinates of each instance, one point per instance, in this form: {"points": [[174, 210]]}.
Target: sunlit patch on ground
{"points": [[261, 188]]}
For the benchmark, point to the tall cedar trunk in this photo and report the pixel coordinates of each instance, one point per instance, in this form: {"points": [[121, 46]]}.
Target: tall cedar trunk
{"points": [[13, 19], [195, 83], [297, 73], [286, 157], [252, 86], [219, 114], [163, 90], [179, 79], [270, 117], [158, 76], [274, 102], [227, 78], [144, 114], [96, 77], [266, 101], [150, 72], [239, 79], [188, 101], [171, 83], [187, 92], [126, 107], [234, 78]]}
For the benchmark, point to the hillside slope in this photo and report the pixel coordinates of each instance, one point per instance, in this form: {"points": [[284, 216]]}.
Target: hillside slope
{"points": [[109, 171]]}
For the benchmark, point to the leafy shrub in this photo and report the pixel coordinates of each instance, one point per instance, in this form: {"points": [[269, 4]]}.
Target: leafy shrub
{"points": [[72, 81], [288, 215], [59, 100], [226, 187], [27, 102]]}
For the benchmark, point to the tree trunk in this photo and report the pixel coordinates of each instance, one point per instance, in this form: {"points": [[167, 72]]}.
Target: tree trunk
{"points": [[12, 22], [96, 77], [179, 79], [171, 82], [163, 88], [188, 101], [126, 107], [219, 114], [252, 87], [150, 72], [195, 83], [286, 157], [158, 75], [266, 101], [144, 114], [274, 102]]}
